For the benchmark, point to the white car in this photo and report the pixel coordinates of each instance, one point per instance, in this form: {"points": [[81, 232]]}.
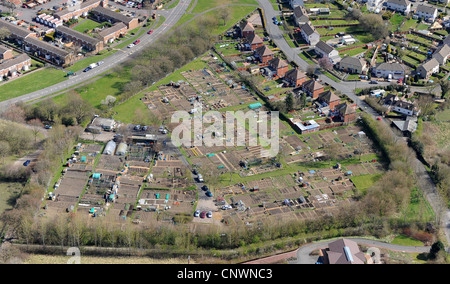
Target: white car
{"points": [[130, 45]]}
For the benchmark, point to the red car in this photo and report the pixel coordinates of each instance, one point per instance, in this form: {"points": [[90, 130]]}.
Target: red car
{"points": [[150, 32], [378, 118], [137, 41], [203, 214]]}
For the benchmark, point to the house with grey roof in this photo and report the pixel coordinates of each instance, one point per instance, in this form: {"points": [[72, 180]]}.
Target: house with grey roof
{"points": [[403, 6], [353, 65], [390, 70], [309, 34], [80, 39], [10, 67], [428, 13], [425, 70], [442, 53], [325, 50], [300, 16], [295, 3], [407, 126]]}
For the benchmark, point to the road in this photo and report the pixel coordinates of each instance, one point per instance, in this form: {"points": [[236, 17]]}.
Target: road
{"points": [[347, 88], [172, 17]]}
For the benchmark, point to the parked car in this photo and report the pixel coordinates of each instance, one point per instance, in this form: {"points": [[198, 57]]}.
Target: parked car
{"points": [[144, 128], [209, 214], [87, 69], [48, 126], [150, 32], [205, 188], [197, 213], [373, 82], [100, 63], [203, 214], [137, 41], [195, 172], [227, 207], [209, 194], [137, 127], [378, 118], [130, 45], [27, 163]]}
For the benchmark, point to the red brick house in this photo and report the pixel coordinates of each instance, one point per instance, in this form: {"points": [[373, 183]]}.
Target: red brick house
{"points": [[5, 53], [264, 54], [312, 88], [330, 98], [346, 112], [280, 66], [296, 77], [254, 41], [247, 29]]}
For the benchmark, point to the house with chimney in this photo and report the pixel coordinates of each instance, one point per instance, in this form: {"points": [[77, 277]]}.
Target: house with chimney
{"points": [[309, 34], [264, 54], [328, 99], [279, 66], [253, 41], [295, 77], [247, 29], [312, 88]]}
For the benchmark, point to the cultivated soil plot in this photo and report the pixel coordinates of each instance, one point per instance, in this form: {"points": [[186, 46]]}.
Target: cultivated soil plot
{"points": [[110, 163], [154, 101]]}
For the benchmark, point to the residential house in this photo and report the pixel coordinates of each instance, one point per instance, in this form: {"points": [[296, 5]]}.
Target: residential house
{"points": [[441, 54], [295, 3], [428, 13], [390, 70], [389, 100], [49, 52], [253, 42], [247, 29], [407, 126], [403, 6], [5, 53], [11, 66], [330, 99], [325, 50], [279, 66], [425, 70], [312, 88], [309, 34], [347, 113], [16, 32], [295, 77], [343, 251], [264, 54], [406, 108], [79, 10], [89, 43], [109, 35], [300, 16], [104, 14], [353, 65]]}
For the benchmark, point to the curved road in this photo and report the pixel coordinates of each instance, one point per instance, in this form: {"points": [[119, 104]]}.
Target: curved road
{"points": [[172, 17]]}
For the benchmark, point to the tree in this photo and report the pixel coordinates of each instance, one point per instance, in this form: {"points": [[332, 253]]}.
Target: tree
{"points": [[289, 102], [224, 15], [5, 150], [445, 87], [4, 33], [78, 108], [437, 248], [36, 126], [375, 25], [332, 151], [325, 63]]}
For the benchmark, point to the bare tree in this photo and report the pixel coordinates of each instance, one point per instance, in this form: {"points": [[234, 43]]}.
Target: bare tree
{"points": [[36, 127]]}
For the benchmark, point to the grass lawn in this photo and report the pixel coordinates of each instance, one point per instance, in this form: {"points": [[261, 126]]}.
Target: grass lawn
{"points": [[353, 52], [86, 25], [204, 5], [364, 182], [406, 241], [8, 192], [32, 82], [443, 115]]}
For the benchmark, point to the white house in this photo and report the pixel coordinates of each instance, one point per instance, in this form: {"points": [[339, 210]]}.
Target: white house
{"points": [[428, 13], [325, 50], [390, 70], [405, 108], [403, 6], [309, 34]]}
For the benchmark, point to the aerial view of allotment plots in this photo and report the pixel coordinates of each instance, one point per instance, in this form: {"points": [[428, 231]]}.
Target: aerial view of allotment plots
{"points": [[224, 132]]}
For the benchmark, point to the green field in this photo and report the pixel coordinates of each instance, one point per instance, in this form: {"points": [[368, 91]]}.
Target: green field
{"points": [[8, 192], [32, 82], [86, 25], [364, 182], [406, 241]]}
